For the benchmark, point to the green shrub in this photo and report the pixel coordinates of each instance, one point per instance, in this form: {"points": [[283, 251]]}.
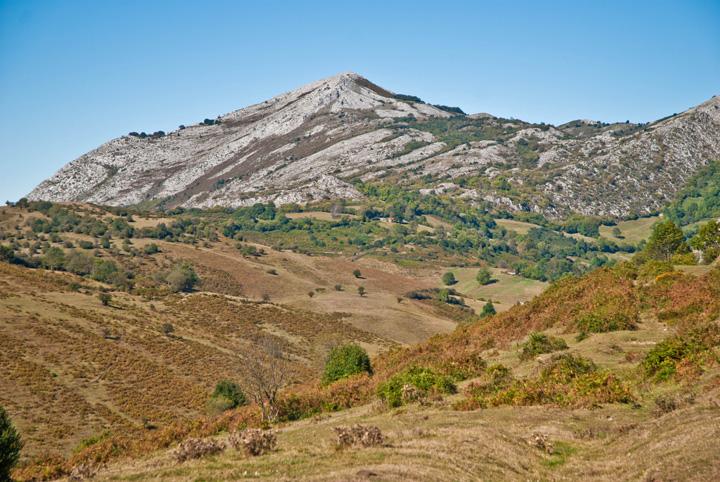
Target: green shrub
{"points": [[182, 277], [661, 363], [104, 270], [344, 361], [105, 298], [601, 323], [566, 380], [151, 248], [484, 276], [10, 445], [539, 343], [449, 278], [229, 394], [488, 309], [423, 379]]}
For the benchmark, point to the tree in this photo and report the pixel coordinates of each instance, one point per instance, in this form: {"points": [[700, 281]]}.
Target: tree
{"points": [[449, 278], [54, 258], [483, 276], [707, 240], [266, 375], [10, 445], [182, 278], [361, 290], [488, 309], [357, 273], [665, 241], [344, 361]]}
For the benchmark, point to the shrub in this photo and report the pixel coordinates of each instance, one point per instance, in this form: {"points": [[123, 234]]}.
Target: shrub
{"points": [[231, 391], [599, 323], [422, 378], [359, 436], [449, 278], [338, 287], [484, 276], [10, 445], [662, 362], [151, 248], [361, 290], [539, 343], [105, 298], [344, 361], [182, 277], [104, 270], [488, 309], [168, 329], [54, 258], [357, 273], [253, 441], [194, 448], [86, 244], [565, 380]]}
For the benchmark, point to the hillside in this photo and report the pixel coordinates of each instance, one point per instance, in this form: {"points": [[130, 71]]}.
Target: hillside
{"points": [[635, 401], [319, 141]]}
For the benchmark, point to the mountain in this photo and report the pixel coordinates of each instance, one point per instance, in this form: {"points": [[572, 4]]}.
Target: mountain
{"points": [[313, 143]]}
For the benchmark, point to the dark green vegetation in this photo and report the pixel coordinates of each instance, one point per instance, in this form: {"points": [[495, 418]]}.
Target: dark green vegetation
{"points": [[700, 199], [227, 395], [539, 343], [10, 445], [345, 361]]}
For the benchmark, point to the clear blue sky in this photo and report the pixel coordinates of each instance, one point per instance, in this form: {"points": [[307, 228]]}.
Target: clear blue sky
{"points": [[74, 74]]}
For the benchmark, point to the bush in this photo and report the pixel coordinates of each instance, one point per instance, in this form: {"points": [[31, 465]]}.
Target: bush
{"points": [[484, 276], [422, 378], [253, 441], [182, 278], [357, 273], [598, 323], [194, 448], [449, 278], [10, 445], [662, 362], [151, 248], [361, 290], [230, 391], [539, 343], [488, 309], [344, 361], [105, 298], [565, 380], [359, 436]]}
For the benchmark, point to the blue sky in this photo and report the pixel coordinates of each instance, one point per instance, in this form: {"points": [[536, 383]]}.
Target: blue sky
{"points": [[74, 74]]}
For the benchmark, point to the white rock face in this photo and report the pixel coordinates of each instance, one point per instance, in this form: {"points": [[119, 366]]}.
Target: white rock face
{"points": [[310, 143], [335, 122]]}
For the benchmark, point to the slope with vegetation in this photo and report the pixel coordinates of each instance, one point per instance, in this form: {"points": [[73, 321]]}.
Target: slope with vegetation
{"points": [[583, 373]]}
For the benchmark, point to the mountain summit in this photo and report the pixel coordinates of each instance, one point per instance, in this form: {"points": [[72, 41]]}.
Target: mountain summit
{"points": [[313, 142]]}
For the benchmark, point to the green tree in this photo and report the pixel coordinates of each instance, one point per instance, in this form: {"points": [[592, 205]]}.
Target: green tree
{"points": [[10, 445], [361, 290], [488, 309], [483, 276], [54, 258], [344, 361], [449, 278], [707, 240], [665, 241], [357, 273]]}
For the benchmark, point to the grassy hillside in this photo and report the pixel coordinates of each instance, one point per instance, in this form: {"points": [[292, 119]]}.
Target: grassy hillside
{"points": [[631, 403]]}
